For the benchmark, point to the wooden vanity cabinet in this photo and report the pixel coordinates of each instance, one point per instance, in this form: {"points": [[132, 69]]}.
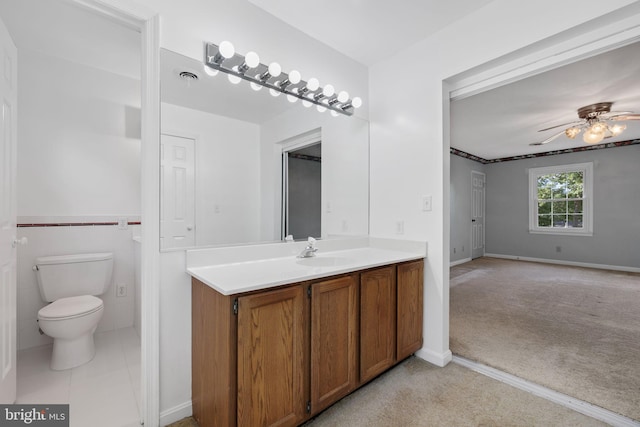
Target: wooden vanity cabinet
{"points": [[409, 311], [280, 356], [334, 324], [377, 321], [272, 361]]}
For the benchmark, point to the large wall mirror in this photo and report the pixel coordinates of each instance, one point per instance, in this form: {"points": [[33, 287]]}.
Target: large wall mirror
{"points": [[224, 174]]}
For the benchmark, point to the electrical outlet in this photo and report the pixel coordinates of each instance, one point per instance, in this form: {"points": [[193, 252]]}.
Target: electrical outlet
{"points": [[121, 290], [123, 223], [400, 227], [345, 225], [454, 250], [558, 248]]}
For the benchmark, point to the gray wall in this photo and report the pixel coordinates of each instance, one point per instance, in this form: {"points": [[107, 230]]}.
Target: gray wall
{"points": [[460, 205], [616, 210]]}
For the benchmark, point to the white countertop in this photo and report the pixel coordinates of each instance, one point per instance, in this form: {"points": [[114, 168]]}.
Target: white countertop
{"points": [[239, 277]]}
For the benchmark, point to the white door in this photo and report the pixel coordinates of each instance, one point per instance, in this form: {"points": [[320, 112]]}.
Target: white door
{"points": [[8, 228], [477, 214], [177, 183]]}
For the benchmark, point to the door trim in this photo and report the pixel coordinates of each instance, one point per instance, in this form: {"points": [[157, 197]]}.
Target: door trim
{"points": [[147, 21]]}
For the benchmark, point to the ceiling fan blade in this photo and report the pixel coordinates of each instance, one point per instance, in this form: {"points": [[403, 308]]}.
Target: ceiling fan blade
{"points": [[625, 116], [548, 140], [610, 114], [564, 124]]}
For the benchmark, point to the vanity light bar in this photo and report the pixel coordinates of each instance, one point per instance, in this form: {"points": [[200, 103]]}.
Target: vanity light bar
{"points": [[223, 58]]}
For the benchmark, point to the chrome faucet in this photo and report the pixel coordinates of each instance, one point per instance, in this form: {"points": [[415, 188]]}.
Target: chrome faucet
{"points": [[310, 250]]}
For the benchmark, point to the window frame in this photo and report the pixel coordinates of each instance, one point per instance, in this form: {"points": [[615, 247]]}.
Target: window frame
{"points": [[587, 197]]}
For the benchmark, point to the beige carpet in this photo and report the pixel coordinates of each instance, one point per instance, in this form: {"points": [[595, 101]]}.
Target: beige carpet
{"points": [[574, 330], [416, 393]]}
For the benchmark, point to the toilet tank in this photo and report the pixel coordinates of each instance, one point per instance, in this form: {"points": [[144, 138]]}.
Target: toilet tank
{"points": [[73, 275]]}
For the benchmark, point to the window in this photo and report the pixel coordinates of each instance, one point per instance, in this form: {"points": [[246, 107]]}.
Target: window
{"points": [[560, 199]]}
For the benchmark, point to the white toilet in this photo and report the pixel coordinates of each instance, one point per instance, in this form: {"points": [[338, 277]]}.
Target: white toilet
{"points": [[71, 283]]}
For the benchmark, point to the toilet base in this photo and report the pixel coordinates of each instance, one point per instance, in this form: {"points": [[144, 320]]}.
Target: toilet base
{"points": [[68, 354]]}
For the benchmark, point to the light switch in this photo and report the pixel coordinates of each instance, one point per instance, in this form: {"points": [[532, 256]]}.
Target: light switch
{"points": [[426, 203]]}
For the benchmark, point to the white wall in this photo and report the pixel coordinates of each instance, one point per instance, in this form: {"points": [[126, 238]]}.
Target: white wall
{"points": [[79, 139], [227, 153], [345, 170], [78, 161], [408, 156]]}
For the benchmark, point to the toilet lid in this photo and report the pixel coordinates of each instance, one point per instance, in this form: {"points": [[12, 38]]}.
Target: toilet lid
{"points": [[71, 307]]}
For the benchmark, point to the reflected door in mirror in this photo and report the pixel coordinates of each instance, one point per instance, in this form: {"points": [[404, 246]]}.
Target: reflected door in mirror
{"points": [[177, 176]]}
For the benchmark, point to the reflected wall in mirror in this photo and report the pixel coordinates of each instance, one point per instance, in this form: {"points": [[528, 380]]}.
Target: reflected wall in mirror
{"points": [[222, 159]]}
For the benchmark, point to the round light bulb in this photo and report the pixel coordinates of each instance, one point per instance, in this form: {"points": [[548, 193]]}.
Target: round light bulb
{"points": [[275, 69], [256, 86], [306, 103], [252, 60], [598, 127], [592, 137], [234, 79], [292, 98], [617, 129], [356, 102], [313, 84], [210, 71], [572, 132], [334, 113], [321, 109], [343, 96], [226, 49], [274, 93], [294, 77], [328, 90]]}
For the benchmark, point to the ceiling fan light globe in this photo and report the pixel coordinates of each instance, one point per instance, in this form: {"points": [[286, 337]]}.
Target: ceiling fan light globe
{"points": [[598, 127], [617, 129], [592, 137], [572, 132]]}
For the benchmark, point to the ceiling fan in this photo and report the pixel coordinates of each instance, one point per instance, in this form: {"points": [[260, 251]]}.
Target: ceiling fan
{"points": [[596, 120]]}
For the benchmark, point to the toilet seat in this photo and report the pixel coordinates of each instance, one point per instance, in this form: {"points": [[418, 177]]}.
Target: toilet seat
{"points": [[71, 307]]}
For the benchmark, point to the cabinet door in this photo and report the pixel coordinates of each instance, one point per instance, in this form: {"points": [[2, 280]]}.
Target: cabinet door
{"points": [[377, 321], [271, 357], [334, 307], [410, 291]]}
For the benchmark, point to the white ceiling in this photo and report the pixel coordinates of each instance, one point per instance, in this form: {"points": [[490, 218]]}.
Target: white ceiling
{"points": [[64, 30], [369, 30], [494, 124], [503, 122]]}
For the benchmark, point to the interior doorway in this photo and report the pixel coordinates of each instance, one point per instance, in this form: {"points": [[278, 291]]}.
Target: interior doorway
{"points": [[302, 178], [478, 181]]}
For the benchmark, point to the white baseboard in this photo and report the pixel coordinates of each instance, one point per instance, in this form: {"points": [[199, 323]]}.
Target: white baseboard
{"points": [[436, 358], [577, 405], [458, 262], [571, 263], [176, 413]]}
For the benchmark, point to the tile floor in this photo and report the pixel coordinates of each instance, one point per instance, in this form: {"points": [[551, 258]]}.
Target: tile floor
{"points": [[104, 392]]}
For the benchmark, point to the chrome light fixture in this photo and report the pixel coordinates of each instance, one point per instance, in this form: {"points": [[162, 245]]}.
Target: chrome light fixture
{"points": [[237, 67]]}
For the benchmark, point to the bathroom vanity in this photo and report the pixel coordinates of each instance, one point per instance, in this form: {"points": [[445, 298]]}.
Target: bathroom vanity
{"points": [[277, 340]]}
